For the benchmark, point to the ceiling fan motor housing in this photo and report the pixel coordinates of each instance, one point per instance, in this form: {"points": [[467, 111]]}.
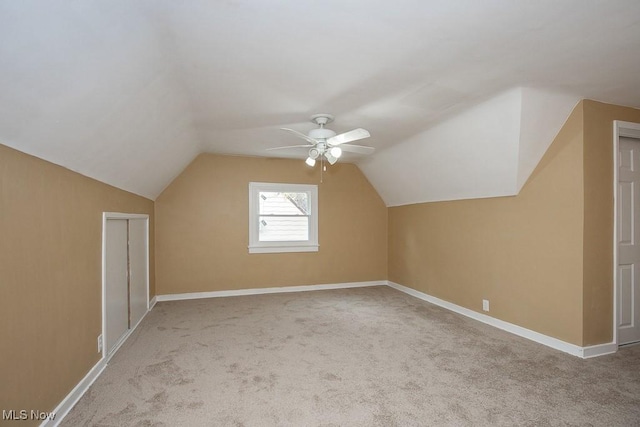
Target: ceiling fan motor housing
{"points": [[321, 133]]}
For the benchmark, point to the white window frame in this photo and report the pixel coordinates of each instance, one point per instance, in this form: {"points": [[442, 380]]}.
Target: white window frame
{"points": [[255, 245]]}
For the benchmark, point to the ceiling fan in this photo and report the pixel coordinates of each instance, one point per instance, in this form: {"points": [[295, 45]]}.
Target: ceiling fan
{"points": [[323, 143]]}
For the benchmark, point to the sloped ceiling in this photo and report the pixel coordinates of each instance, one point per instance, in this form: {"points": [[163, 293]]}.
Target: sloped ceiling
{"points": [[487, 151], [129, 92]]}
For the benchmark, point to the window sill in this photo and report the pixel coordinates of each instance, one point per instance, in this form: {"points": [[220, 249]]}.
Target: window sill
{"points": [[282, 249]]}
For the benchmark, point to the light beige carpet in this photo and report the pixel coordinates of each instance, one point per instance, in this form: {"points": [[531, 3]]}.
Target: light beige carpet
{"points": [[353, 357]]}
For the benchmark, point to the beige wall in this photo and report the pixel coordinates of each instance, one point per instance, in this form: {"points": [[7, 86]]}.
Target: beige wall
{"points": [[543, 258], [202, 228], [598, 217], [523, 253], [50, 267]]}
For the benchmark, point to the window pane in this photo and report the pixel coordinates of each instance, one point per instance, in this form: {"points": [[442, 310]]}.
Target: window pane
{"points": [[283, 217], [283, 228], [275, 203]]}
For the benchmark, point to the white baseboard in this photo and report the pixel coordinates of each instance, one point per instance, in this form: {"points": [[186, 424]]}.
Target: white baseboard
{"points": [[153, 302], [572, 349], [259, 291], [78, 391], [599, 350], [81, 388]]}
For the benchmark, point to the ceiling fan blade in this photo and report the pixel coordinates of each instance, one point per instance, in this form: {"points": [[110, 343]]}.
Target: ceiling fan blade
{"points": [[352, 135], [360, 149], [300, 135], [291, 146]]}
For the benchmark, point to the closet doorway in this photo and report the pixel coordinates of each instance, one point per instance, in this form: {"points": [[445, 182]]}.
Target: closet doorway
{"points": [[125, 276]]}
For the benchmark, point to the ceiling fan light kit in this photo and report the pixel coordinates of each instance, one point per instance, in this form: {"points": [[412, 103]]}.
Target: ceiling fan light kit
{"points": [[331, 159], [314, 153], [325, 144]]}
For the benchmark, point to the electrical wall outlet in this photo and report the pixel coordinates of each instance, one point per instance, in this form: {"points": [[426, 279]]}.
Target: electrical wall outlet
{"points": [[99, 343], [485, 304]]}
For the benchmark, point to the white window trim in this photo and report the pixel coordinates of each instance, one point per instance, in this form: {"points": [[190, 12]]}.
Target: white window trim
{"points": [[255, 245]]}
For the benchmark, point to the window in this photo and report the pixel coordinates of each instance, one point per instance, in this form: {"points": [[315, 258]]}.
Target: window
{"points": [[283, 217]]}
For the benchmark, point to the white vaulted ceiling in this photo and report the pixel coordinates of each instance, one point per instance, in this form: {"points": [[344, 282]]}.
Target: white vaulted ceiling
{"points": [[129, 92], [489, 150]]}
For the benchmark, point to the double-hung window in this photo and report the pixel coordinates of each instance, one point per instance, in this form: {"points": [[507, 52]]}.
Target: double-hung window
{"points": [[283, 217]]}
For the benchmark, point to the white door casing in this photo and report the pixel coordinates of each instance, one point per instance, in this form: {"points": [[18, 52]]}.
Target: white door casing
{"points": [[627, 293]]}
